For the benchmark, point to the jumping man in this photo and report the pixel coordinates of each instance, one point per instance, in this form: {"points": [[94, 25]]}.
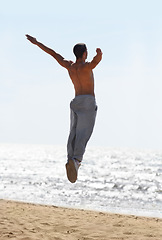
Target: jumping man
{"points": [[83, 106]]}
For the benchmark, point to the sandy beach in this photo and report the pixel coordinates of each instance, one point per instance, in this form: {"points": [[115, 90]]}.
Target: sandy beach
{"points": [[24, 221]]}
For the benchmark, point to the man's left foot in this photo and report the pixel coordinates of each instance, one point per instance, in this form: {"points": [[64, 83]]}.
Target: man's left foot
{"points": [[72, 167]]}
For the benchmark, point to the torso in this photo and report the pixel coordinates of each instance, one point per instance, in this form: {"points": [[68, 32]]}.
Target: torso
{"points": [[82, 78]]}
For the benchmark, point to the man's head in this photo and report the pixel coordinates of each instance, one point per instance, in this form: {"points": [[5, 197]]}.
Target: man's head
{"points": [[79, 50]]}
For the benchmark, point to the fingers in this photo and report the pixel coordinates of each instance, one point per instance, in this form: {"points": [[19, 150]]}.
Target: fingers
{"points": [[28, 36], [98, 50], [31, 39]]}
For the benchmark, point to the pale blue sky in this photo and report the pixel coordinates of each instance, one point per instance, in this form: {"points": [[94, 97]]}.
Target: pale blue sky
{"points": [[35, 91]]}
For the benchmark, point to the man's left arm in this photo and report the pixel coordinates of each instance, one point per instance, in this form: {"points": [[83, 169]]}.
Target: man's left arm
{"points": [[58, 57]]}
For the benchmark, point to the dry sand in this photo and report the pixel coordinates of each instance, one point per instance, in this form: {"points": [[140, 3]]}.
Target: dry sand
{"points": [[37, 222]]}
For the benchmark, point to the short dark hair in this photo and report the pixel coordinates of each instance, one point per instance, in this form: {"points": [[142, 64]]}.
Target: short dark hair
{"points": [[79, 49]]}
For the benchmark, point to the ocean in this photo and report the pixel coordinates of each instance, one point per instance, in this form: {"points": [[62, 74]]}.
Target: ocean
{"points": [[112, 180]]}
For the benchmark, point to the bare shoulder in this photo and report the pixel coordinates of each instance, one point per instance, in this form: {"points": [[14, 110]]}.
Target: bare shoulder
{"points": [[71, 64], [68, 63], [88, 65]]}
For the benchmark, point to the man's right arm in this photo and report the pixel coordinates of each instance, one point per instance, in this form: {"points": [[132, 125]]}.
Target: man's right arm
{"points": [[58, 57], [96, 59]]}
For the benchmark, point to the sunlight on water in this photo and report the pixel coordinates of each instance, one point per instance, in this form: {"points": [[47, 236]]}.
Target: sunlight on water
{"points": [[113, 180]]}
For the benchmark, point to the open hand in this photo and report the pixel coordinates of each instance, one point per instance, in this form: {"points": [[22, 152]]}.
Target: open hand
{"points": [[31, 39]]}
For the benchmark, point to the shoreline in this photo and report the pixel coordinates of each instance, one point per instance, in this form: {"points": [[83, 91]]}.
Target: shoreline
{"points": [[109, 180], [111, 210], [30, 221]]}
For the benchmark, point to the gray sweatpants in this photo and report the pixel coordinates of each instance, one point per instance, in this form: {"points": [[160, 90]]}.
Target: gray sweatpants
{"points": [[83, 114]]}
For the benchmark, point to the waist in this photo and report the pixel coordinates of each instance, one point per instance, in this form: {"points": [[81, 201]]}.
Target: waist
{"points": [[84, 96], [80, 92]]}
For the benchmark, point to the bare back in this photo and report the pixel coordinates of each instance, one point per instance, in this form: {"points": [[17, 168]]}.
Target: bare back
{"points": [[82, 77], [80, 72]]}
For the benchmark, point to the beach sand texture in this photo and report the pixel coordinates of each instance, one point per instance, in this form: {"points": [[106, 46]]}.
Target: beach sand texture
{"points": [[24, 221]]}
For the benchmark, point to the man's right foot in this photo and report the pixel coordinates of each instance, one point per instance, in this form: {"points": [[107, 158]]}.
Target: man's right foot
{"points": [[72, 170]]}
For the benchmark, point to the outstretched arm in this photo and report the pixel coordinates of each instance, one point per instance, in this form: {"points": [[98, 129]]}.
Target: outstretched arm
{"points": [[58, 57], [96, 59]]}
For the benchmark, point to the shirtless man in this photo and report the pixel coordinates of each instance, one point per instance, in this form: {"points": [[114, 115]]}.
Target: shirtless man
{"points": [[83, 106]]}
